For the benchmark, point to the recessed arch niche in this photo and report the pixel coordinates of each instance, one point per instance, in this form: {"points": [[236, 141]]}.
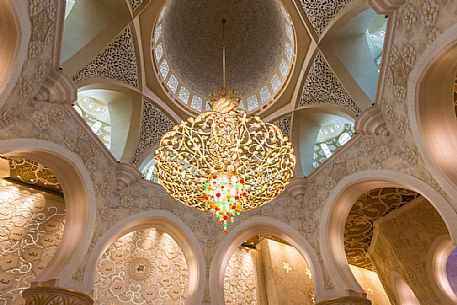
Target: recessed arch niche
{"points": [[278, 239], [143, 266], [33, 204], [158, 231], [354, 45], [317, 133], [339, 204], [266, 268], [430, 100], [113, 113]]}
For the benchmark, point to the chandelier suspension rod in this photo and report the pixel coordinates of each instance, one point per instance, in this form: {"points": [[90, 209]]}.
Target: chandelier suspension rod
{"points": [[223, 52]]}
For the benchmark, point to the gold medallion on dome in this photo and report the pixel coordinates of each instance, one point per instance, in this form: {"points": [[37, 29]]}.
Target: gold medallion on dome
{"points": [[139, 268]]}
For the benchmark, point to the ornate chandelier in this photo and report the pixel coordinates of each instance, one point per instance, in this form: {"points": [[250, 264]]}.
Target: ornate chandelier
{"points": [[224, 161]]}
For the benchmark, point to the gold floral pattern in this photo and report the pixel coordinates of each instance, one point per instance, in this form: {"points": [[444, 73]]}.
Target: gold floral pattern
{"points": [[31, 227], [369, 207], [33, 173], [240, 280], [142, 267]]}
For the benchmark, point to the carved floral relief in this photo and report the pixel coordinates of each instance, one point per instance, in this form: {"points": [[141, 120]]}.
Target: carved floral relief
{"points": [[142, 267], [31, 227]]}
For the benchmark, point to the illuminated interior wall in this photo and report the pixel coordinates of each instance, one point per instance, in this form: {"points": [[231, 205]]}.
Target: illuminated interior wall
{"points": [[288, 279], [370, 282], [400, 245], [272, 274], [31, 227], [240, 281], [142, 267]]}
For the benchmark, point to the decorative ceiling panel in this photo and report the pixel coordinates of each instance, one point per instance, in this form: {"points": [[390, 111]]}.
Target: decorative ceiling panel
{"points": [[135, 4], [117, 62], [188, 36], [284, 124], [323, 87], [371, 206], [321, 12], [33, 174], [155, 123]]}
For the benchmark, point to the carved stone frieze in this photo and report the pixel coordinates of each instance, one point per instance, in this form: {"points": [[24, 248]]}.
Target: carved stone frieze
{"points": [[116, 62], [154, 124], [323, 87], [39, 60], [43, 295]]}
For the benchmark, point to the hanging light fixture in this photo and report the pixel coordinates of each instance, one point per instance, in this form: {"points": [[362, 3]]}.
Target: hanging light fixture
{"points": [[224, 161]]}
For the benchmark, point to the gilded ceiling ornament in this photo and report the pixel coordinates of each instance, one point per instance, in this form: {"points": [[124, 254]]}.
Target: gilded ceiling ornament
{"points": [[33, 173], [370, 206]]}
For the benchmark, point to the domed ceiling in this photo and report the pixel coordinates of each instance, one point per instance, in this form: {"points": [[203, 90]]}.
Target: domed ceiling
{"points": [[187, 49]]}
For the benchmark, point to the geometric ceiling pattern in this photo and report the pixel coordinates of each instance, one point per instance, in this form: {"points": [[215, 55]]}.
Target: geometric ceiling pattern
{"points": [[154, 124], [359, 228], [285, 124], [33, 174], [135, 4], [321, 12], [117, 62], [323, 87]]}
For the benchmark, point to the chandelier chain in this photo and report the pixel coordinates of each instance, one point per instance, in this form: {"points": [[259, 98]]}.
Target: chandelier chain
{"points": [[223, 53]]}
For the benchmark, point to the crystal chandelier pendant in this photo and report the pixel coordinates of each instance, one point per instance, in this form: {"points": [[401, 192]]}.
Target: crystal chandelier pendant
{"points": [[224, 195]]}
